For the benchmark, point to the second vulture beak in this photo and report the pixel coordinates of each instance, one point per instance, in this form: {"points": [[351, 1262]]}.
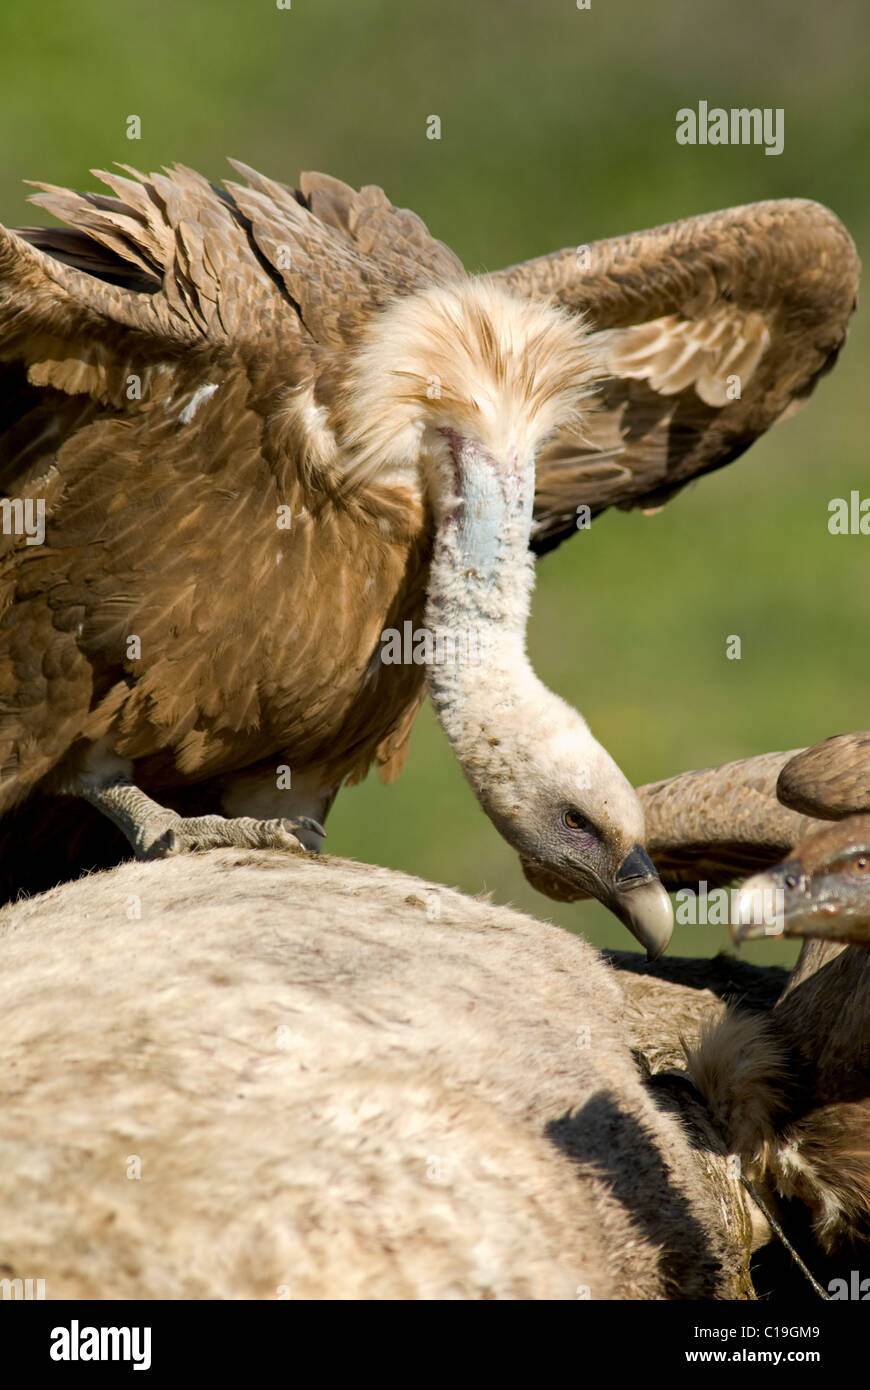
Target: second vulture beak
{"points": [[640, 901], [759, 908], [785, 901]]}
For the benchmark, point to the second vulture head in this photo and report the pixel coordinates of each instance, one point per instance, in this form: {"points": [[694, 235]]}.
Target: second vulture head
{"points": [[822, 890]]}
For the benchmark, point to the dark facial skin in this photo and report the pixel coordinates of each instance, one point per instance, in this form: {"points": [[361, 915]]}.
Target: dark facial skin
{"points": [[629, 886], [825, 887]]}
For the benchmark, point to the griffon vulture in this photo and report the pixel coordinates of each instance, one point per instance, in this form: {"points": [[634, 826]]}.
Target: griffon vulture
{"points": [[825, 883], [715, 823], [272, 428], [790, 1092], [789, 1089]]}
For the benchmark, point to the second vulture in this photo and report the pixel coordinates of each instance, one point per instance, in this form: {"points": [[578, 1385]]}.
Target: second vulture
{"points": [[823, 888], [789, 1090]]}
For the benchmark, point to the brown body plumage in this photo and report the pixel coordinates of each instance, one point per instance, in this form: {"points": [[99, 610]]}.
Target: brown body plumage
{"points": [[186, 361], [790, 1089]]}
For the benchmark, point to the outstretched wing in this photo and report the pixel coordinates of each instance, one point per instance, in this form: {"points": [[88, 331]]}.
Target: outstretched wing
{"points": [[720, 823], [144, 292], [148, 348], [711, 328]]}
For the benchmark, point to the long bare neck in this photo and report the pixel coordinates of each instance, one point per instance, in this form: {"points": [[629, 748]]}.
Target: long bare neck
{"points": [[480, 587]]}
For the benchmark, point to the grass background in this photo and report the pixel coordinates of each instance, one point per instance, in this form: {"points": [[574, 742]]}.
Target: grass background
{"points": [[557, 128]]}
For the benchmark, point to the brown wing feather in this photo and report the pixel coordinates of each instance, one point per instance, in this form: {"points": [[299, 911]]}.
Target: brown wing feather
{"points": [[763, 293], [830, 780], [170, 280], [342, 266], [370, 221], [720, 823]]}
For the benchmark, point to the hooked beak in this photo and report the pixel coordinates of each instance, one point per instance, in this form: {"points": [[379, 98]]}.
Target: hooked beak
{"points": [[639, 900], [783, 901], [759, 908]]}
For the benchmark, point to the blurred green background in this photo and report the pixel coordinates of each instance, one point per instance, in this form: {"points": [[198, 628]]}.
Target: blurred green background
{"points": [[558, 127]]}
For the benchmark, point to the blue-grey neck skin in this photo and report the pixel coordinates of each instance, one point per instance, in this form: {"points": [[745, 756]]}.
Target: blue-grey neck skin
{"points": [[480, 590], [494, 519], [501, 721]]}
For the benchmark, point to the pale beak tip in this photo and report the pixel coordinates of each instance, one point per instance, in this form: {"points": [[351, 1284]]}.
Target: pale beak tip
{"points": [[751, 915], [647, 912]]}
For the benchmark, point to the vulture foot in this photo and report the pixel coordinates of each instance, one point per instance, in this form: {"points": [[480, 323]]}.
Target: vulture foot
{"points": [[188, 835], [156, 832]]}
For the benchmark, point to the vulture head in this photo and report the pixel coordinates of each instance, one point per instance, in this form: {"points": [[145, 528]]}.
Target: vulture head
{"points": [[822, 890], [473, 381], [561, 801]]}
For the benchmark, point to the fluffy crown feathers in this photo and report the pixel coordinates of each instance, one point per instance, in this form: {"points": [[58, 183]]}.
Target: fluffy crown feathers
{"points": [[504, 371]]}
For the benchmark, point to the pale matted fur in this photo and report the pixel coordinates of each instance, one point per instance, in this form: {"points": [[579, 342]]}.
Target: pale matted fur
{"points": [[338, 1081]]}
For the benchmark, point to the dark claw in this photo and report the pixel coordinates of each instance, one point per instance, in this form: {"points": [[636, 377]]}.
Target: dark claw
{"points": [[308, 824]]}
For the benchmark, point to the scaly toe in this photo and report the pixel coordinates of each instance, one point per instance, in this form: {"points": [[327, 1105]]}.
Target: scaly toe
{"points": [[277, 834], [198, 833]]}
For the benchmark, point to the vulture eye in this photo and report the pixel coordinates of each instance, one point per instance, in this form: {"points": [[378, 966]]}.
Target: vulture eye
{"points": [[575, 820], [862, 864]]}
